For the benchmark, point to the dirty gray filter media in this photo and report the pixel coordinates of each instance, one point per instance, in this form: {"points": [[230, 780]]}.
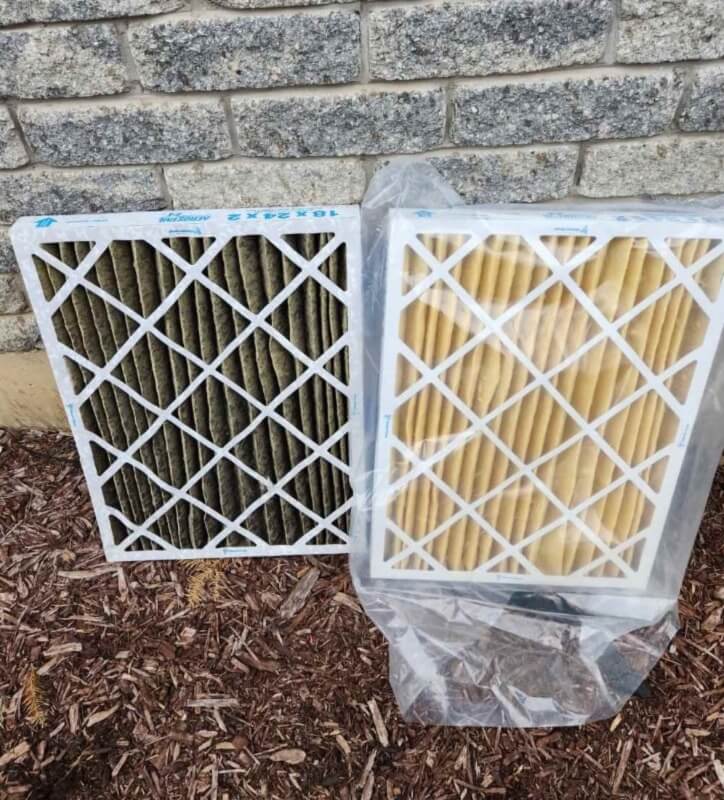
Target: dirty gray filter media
{"points": [[253, 272]]}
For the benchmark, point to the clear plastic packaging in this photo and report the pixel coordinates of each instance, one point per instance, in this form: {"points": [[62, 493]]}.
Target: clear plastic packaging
{"points": [[540, 451]]}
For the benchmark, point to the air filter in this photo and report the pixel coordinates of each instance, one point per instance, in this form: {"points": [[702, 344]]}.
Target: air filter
{"points": [[207, 363], [541, 376]]}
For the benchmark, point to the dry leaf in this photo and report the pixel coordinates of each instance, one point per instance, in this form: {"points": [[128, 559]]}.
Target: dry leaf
{"points": [[122, 585], [15, 754], [298, 596], [343, 744], [119, 765], [462, 759], [369, 787], [713, 621], [719, 770], [290, 755], [64, 649], [367, 769], [263, 665], [49, 666], [380, 727], [100, 716], [622, 764], [213, 702], [346, 600], [186, 636], [271, 599], [86, 574], [74, 717]]}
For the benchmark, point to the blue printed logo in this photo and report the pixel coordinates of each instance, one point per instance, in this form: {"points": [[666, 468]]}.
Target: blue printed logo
{"points": [[45, 222], [177, 216], [423, 214]]}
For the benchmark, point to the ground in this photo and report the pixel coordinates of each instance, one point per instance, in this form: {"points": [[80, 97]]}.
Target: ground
{"points": [[225, 681]]}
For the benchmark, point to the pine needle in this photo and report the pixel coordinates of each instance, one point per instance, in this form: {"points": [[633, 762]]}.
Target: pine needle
{"points": [[195, 590], [206, 580], [33, 699]]}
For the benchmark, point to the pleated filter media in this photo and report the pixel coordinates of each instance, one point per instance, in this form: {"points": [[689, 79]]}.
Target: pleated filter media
{"points": [[541, 375], [207, 363]]}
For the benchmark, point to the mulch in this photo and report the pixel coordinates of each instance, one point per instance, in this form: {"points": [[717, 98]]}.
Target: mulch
{"points": [[263, 678]]}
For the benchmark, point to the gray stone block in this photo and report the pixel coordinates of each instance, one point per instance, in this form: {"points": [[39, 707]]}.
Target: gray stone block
{"points": [[253, 182], [128, 132], [513, 176], [274, 3], [670, 30], [15, 12], [340, 124], [471, 38], [704, 107], [12, 152], [214, 53], [12, 294], [609, 106], [7, 254], [662, 166], [18, 333], [50, 191], [66, 61]]}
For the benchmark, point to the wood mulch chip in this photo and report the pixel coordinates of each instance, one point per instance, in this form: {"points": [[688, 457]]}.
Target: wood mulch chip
{"points": [[262, 678]]}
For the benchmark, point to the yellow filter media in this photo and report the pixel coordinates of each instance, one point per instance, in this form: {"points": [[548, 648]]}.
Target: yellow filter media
{"points": [[539, 383]]}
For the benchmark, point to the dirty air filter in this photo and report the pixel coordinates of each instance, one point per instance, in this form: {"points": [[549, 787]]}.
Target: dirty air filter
{"points": [[541, 376], [207, 364]]}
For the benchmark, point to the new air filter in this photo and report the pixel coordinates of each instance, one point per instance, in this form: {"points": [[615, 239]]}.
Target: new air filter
{"points": [[207, 362], [542, 374]]}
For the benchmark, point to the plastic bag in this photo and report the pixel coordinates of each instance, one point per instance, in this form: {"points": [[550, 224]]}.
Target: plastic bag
{"points": [[541, 447]]}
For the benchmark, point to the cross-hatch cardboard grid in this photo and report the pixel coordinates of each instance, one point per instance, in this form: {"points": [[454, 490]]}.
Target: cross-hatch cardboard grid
{"points": [[521, 363], [210, 464]]}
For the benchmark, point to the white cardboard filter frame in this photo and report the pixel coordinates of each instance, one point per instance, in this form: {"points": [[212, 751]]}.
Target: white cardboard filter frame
{"points": [[31, 233], [531, 225]]}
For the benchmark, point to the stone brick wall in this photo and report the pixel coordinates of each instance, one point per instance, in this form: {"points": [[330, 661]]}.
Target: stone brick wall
{"points": [[147, 104]]}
